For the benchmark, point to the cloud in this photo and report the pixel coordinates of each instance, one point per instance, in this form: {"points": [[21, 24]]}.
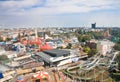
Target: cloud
{"points": [[51, 7], [59, 12], [17, 6], [18, 3]]}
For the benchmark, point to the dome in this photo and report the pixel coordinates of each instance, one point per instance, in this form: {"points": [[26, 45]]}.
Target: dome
{"points": [[46, 47]]}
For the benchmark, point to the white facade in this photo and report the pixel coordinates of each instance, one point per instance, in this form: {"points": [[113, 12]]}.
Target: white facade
{"points": [[11, 54], [2, 51], [21, 47], [104, 46]]}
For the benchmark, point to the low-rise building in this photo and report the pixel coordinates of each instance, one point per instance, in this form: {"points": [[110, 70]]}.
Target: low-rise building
{"points": [[54, 57]]}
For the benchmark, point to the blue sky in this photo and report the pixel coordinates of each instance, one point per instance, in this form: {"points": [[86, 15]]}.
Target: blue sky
{"points": [[61, 13]]}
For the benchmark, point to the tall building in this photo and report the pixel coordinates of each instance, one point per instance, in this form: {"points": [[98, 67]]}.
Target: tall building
{"points": [[106, 33], [93, 25], [104, 46]]}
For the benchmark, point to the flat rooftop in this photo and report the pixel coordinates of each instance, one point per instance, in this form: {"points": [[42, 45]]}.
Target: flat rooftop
{"points": [[57, 53]]}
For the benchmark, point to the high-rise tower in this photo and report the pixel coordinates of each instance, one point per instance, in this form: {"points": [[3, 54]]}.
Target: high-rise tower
{"points": [[93, 25]]}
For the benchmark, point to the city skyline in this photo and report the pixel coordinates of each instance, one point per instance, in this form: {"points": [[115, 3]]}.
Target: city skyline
{"points": [[59, 13]]}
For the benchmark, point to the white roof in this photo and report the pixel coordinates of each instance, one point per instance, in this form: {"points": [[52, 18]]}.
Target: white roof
{"points": [[6, 78]]}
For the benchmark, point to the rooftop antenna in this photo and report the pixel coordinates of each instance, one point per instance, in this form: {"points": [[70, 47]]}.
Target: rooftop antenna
{"points": [[36, 34]]}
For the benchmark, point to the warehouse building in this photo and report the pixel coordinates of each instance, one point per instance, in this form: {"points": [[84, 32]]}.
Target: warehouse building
{"points": [[55, 56]]}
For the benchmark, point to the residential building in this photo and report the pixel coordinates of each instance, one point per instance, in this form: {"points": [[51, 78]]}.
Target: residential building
{"points": [[104, 46]]}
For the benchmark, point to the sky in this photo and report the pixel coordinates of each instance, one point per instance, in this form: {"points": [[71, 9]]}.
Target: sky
{"points": [[59, 13]]}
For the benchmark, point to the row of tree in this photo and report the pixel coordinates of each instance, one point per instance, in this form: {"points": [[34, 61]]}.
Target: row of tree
{"points": [[3, 58], [117, 46], [89, 51], [7, 39], [86, 36]]}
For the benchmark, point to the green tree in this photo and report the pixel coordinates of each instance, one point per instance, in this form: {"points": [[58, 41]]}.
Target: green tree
{"points": [[92, 52], [80, 38], [98, 35], [115, 32], [118, 60], [1, 39], [67, 35], [81, 32], [8, 39], [84, 38], [60, 47], [86, 49], [116, 75], [117, 46], [69, 46], [3, 57]]}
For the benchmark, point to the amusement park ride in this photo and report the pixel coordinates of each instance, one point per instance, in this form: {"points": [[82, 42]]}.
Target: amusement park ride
{"points": [[37, 41], [42, 45], [39, 76]]}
